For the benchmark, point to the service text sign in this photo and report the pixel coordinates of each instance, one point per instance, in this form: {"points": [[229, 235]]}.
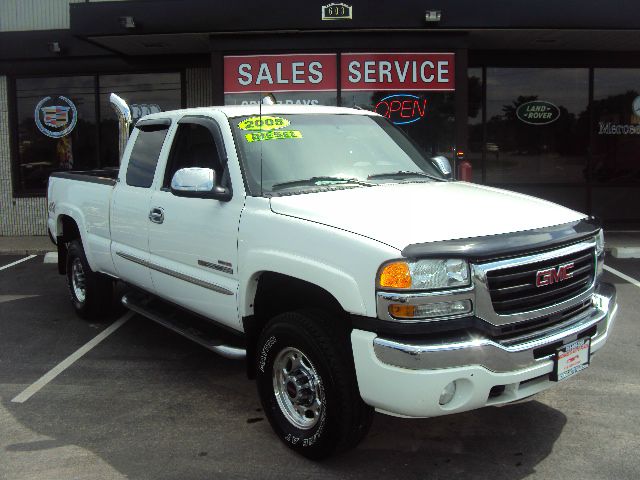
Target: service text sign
{"points": [[398, 71], [280, 73]]}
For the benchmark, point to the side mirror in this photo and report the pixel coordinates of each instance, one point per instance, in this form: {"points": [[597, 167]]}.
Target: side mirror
{"points": [[198, 182], [443, 166]]}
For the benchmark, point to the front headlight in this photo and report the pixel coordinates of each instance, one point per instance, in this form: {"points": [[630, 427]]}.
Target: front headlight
{"points": [[432, 274]]}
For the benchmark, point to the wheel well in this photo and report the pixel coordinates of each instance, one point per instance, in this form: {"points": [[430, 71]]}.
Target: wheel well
{"points": [[67, 231], [277, 293]]}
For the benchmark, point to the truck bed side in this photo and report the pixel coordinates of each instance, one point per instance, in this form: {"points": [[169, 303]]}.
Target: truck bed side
{"points": [[85, 198]]}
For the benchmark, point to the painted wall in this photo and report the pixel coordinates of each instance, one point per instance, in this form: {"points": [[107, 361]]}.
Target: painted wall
{"points": [[17, 15], [198, 87]]}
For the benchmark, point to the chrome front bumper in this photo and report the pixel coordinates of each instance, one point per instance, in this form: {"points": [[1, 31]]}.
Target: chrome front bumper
{"points": [[505, 355]]}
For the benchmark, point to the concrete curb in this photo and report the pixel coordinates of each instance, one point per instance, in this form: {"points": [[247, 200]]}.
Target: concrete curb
{"points": [[625, 252], [28, 251], [26, 245]]}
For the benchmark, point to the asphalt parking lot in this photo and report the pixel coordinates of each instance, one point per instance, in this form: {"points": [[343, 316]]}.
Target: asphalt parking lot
{"points": [[146, 403]]}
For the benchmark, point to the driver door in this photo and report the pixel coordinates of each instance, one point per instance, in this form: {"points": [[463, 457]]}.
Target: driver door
{"points": [[194, 241]]}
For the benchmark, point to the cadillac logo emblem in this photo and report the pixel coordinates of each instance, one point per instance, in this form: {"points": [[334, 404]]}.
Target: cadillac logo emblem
{"points": [[55, 116], [550, 276]]}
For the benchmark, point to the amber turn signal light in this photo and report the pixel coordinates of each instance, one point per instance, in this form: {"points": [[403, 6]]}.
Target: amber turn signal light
{"points": [[402, 311], [395, 275]]}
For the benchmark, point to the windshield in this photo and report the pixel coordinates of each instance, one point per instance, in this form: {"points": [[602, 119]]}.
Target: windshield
{"points": [[315, 151]]}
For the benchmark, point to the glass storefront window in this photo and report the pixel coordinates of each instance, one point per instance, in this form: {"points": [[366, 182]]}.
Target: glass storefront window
{"points": [[57, 121], [616, 109], [56, 128], [474, 122], [537, 125], [145, 93], [427, 117]]}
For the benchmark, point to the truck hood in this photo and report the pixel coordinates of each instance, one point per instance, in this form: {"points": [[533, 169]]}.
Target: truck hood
{"points": [[403, 214]]}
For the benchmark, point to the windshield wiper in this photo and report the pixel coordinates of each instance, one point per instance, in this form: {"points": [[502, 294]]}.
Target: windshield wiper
{"points": [[402, 174], [319, 181]]}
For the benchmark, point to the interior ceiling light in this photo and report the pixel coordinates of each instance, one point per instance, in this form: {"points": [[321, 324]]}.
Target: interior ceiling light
{"points": [[54, 47], [127, 22], [433, 16]]}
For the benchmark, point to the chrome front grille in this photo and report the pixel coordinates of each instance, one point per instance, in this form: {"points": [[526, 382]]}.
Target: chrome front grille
{"points": [[515, 289]]}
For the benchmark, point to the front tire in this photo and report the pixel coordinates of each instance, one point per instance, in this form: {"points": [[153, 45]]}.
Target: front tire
{"points": [[91, 292], [307, 384]]}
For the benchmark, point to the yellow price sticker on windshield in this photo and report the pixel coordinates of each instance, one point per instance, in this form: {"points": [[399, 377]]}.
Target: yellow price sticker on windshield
{"points": [[273, 135], [263, 123]]}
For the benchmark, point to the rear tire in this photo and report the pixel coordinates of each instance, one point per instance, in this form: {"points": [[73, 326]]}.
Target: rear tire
{"points": [[307, 384], [91, 292]]}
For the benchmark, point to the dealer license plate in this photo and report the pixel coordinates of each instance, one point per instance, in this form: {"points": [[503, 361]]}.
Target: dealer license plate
{"points": [[572, 358]]}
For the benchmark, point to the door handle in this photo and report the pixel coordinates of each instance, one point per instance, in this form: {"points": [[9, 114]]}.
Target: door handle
{"points": [[156, 215]]}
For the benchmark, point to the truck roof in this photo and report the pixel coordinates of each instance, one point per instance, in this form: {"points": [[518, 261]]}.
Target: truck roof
{"points": [[243, 110]]}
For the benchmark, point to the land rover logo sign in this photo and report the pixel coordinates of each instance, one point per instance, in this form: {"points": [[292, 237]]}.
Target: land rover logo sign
{"points": [[55, 117], [538, 112]]}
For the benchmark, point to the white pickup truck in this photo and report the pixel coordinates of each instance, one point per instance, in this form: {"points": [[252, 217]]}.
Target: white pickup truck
{"points": [[345, 265]]}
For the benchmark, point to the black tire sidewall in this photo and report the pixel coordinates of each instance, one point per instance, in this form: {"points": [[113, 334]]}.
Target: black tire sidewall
{"points": [[319, 440], [76, 251]]}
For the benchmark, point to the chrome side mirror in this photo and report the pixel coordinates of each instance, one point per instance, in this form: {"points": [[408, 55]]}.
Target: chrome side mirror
{"points": [[443, 166], [196, 182]]}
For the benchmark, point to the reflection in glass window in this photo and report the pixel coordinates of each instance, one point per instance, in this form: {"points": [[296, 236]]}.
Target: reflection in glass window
{"points": [[145, 93], [537, 125], [56, 128], [427, 117], [616, 108]]}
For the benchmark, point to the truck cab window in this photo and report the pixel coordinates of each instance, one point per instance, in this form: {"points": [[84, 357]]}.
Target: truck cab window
{"points": [[194, 146], [144, 157]]}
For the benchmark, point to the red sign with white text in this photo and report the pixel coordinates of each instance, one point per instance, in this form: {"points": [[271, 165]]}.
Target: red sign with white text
{"points": [[398, 71], [280, 73]]}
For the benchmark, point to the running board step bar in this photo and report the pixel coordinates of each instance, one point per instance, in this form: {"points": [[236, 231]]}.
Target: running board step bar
{"points": [[167, 316]]}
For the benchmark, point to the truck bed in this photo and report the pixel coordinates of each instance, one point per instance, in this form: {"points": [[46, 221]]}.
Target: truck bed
{"points": [[106, 176]]}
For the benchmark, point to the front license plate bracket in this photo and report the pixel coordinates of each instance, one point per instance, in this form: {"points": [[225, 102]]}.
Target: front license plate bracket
{"points": [[571, 359]]}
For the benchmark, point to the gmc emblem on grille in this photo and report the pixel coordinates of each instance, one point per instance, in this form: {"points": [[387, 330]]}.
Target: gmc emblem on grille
{"points": [[551, 275]]}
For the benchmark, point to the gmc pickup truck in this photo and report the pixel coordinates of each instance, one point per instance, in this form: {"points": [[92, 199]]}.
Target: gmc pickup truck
{"points": [[344, 264]]}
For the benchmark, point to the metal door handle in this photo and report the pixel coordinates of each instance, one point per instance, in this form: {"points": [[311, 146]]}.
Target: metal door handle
{"points": [[156, 215]]}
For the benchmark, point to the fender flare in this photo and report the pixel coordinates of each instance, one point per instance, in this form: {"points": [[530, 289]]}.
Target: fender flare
{"points": [[343, 287]]}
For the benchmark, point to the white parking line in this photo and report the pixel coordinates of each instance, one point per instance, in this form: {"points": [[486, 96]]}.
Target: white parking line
{"points": [[67, 362], [17, 262], [622, 275]]}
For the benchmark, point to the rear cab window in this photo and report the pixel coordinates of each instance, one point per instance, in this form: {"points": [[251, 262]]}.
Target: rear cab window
{"points": [[145, 153]]}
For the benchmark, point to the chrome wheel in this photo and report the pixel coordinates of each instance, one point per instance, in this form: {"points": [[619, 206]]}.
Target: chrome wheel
{"points": [[78, 280], [298, 388]]}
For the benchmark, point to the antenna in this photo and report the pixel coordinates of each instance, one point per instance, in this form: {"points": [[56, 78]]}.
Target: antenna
{"points": [[267, 99], [261, 140]]}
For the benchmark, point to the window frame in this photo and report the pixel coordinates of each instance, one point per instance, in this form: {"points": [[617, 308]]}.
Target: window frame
{"points": [[213, 127], [149, 126]]}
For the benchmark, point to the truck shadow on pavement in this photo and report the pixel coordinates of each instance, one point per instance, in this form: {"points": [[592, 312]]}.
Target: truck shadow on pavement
{"points": [[501, 443]]}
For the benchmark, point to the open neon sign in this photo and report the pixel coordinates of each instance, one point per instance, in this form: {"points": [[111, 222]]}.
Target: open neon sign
{"points": [[402, 108]]}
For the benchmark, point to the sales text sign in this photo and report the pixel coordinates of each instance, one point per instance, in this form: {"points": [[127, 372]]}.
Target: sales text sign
{"points": [[280, 73], [398, 71]]}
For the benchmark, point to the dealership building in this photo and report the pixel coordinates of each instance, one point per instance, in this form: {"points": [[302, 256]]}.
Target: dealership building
{"points": [[540, 97]]}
